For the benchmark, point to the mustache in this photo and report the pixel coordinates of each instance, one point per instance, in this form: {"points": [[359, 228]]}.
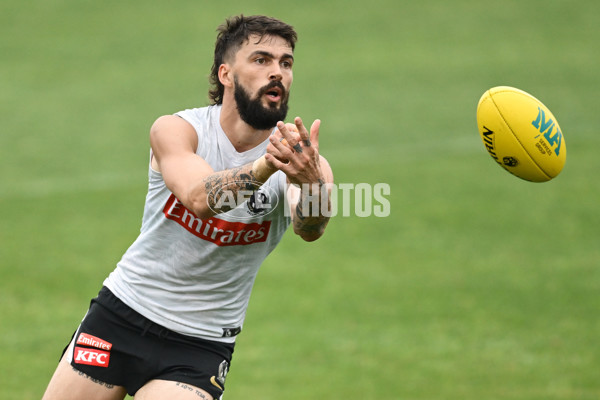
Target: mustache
{"points": [[273, 85]]}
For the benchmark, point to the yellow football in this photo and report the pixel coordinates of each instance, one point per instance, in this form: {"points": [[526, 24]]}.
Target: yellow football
{"points": [[521, 134]]}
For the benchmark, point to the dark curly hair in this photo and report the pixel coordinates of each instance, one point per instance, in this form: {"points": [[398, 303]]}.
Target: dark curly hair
{"points": [[233, 33]]}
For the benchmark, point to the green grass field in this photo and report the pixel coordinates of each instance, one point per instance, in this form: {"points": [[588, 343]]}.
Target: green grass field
{"points": [[477, 286]]}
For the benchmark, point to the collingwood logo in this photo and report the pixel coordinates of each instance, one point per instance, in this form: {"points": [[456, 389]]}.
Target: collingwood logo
{"points": [[244, 204], [259, 203]]}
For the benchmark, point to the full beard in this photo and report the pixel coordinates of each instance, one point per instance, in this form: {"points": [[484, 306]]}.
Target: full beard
{"points": [[252, 110]]}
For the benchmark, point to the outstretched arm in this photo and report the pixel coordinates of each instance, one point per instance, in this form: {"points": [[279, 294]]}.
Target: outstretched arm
{"points": [[191, 179]]}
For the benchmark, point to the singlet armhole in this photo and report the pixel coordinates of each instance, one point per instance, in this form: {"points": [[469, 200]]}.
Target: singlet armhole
{"points": [[154, 170], [150, 163], [193, 127]]}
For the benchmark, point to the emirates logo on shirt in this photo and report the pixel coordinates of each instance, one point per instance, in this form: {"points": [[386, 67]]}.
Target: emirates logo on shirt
{"points": [[216, 230]]}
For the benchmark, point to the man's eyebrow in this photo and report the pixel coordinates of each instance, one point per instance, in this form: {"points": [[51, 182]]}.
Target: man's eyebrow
{"points": [[270, 55]]}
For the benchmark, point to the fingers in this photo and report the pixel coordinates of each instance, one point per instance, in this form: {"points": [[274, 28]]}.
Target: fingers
{"points": [[281, 147], [304, 135], [296, 136], [294, 150], [308, 139], [271, 149], [286, 133], [276, 162], [314, 132]]}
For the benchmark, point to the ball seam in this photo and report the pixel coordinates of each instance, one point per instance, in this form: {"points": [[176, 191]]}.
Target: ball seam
{"points": [[513, 133]]}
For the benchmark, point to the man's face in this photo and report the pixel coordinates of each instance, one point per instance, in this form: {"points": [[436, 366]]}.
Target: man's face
{"points": [[262, 78]]}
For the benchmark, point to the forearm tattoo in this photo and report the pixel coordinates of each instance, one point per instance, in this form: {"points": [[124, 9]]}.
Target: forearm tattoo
{"points": [[310, 214], [223, 187]]}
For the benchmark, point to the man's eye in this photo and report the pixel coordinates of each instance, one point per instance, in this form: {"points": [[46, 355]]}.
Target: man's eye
{"points": [[286, 64], [260, 61]]}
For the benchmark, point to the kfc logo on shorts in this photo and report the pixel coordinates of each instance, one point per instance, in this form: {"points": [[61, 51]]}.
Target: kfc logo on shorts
{"points": [[97, 358]]}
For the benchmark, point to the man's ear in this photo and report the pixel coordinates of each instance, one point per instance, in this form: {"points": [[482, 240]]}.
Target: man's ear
{"points": [[226, 75]]}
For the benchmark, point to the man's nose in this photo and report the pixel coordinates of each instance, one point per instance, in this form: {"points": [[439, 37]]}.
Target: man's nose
{"points": [[275, 74]]}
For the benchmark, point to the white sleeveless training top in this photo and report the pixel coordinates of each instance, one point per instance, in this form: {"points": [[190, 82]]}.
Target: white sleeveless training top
{"points": [[195, 276]]}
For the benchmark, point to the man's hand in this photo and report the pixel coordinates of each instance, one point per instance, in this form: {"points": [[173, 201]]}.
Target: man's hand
{"points": [[296, 152], [301, 152]]}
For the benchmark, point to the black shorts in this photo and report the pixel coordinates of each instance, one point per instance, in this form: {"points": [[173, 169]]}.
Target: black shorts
{"points": [[116, 345]]}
